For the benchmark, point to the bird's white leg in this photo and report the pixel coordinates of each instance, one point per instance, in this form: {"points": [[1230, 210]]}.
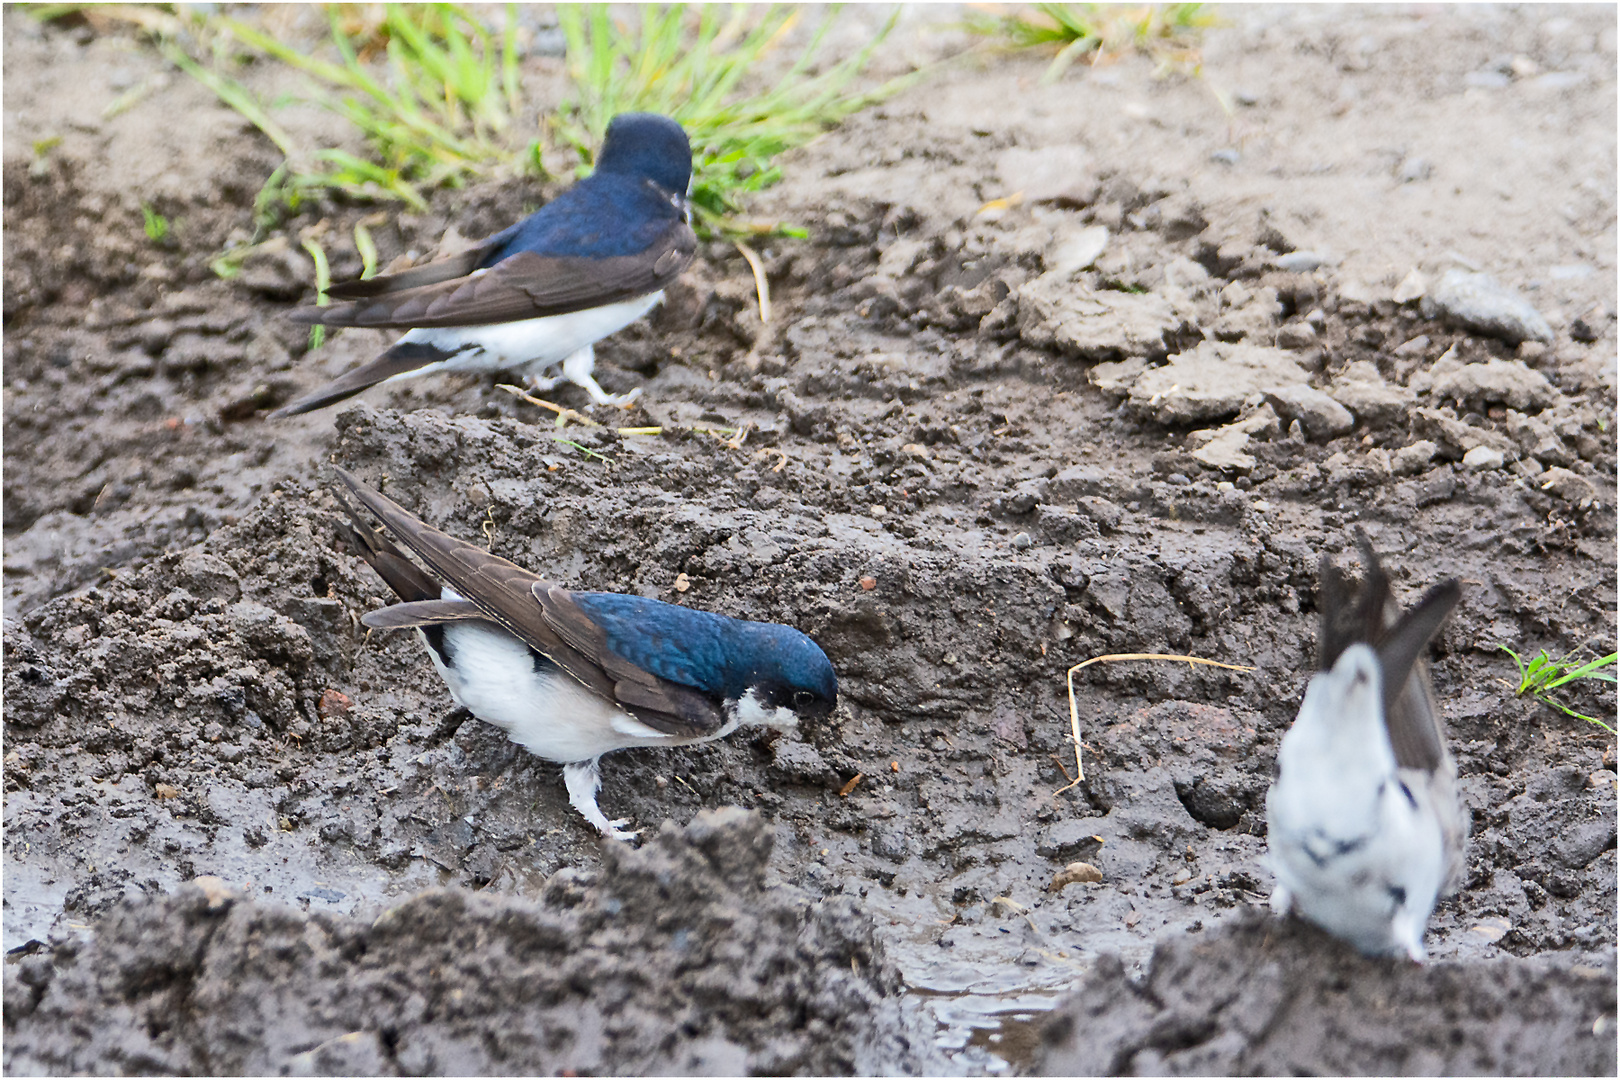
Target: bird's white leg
{"points": [[1281, 900], [584, 780], [1408, 935], [577, 369], [540, 383]]}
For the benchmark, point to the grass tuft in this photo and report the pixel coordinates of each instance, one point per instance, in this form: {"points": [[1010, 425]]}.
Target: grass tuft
{"points": [[435, 92], [1541, 675], [1167, 32], [697, 65]]}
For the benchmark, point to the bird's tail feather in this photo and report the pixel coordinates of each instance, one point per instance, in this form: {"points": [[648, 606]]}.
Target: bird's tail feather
{"points": [[402, 358], [409, 582]]}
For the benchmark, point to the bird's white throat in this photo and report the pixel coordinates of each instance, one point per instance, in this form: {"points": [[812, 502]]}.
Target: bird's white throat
{"points": [[750, 711]]}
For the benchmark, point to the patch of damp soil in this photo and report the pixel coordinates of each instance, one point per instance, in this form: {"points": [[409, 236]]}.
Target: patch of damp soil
{"points": [[1049, 381]]}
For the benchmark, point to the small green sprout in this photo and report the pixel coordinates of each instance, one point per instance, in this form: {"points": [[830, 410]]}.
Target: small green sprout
{"points": [[323, 281], [42, 155], [587, 451], [157, 226], [1541, 674]]}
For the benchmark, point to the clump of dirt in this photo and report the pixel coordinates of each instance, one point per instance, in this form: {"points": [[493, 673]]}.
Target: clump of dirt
{"points": [[1284, 999], [1048, 382], [673, 959]]}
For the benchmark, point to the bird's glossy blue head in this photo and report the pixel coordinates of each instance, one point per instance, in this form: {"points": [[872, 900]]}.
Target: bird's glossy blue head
{"points": [[650, 146], [777, 666], [786, 670]]}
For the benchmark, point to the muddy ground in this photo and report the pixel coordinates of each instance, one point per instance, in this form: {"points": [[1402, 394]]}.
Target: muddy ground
{"points": [[1033, 453]]}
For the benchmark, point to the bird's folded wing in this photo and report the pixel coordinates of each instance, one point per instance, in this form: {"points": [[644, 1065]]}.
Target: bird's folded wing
{"points": [[398, 572], [500, 589], [400, 359], [662, 703], [522, 286], [422, 613], [455, 266], [1337, 630], [1409, 713]]}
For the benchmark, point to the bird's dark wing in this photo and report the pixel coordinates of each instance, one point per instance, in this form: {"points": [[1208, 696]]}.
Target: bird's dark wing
{"points": [[501, 590], [1409, 709], [522, 286], [423, 613], [662, 703], [397, 572], [455, 266], [400, 358], [529, 607], [1336, 631]]}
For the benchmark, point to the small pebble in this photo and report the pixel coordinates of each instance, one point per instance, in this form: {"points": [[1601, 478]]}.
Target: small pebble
{"points": [[1412, 287], [333, 704], [1481, 458], [1298, 335], [1226, 156], [1410, 460], [1414, 169], [1303, 262], [1022, 540], [869, 583], [1075, 872], [1480, 303]]}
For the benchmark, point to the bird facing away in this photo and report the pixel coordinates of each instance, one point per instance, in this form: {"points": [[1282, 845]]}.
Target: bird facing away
{"points": [[1365, 829], [543, 292], [570, 676]]}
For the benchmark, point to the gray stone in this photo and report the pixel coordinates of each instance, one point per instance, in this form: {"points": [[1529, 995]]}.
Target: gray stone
{"points": [[1478, 302], [1456, 438], [890, 842], [1496, 382], [1537, 438], [1303, 262], [1076, 482], [1212, 382], [1571, 487], [1297, 335], [1226, 448], [1075, 250], [1093, 324], [801, 761], [1106, 513], [1374, 402], [1320, 416], [1411, 460], [1483, 458]]}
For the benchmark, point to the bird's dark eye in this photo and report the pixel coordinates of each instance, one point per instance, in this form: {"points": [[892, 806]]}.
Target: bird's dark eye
{"points": [[801, 698]]}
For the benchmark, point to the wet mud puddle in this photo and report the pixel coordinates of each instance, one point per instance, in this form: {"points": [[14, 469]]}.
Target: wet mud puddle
{"points": [[981, 977]]}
